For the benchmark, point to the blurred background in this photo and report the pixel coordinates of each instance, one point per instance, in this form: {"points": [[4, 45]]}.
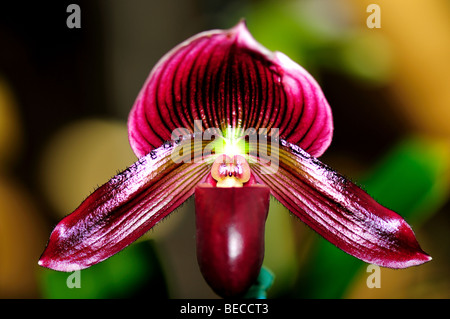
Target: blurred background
{"points": [[64, 99]]}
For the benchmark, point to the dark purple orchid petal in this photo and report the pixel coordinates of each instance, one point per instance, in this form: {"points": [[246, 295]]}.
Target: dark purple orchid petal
{"points": [[340, 211], [224, 78], [230, 235], [123, 209]]}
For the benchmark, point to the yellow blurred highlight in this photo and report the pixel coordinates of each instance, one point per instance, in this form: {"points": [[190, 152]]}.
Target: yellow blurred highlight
{"points": [[22, 238], [22, 230], [415, 283], [10, 126], [424, 282], [419, 34], [83, 156], [368, 56]]}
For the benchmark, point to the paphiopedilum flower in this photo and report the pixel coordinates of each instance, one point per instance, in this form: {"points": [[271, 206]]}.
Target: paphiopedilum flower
{"points": [[275, 121]]}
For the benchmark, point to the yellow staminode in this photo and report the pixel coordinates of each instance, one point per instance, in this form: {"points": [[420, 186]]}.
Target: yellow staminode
{"points": [[230, 171]]}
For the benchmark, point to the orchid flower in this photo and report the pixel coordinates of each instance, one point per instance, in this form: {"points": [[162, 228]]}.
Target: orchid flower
{"points": [[224, 83]]}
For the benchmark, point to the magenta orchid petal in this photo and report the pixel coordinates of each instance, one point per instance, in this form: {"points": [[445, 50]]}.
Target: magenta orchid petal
{"points": [[224, 78], [340, 211], [122, 210], [310, 124]]}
